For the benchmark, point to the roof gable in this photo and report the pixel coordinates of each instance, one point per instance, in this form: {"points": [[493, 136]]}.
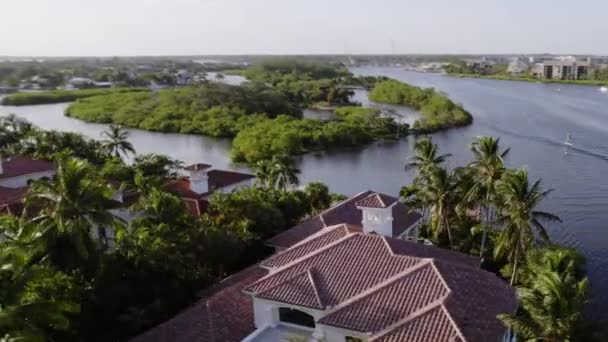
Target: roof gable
{"points": [[302, 285], [377, 200]]}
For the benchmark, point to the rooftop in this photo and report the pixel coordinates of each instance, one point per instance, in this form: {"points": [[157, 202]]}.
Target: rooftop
{"points": [[349, 213], [20, 166]]}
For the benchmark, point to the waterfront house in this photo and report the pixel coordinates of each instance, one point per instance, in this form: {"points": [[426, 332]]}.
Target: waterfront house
{"points": [[201, 181], [348, 274], [16, 174]]}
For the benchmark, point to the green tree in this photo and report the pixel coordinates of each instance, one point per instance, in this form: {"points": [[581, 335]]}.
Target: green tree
{"points": [[426, 157], [551, 299], [284, 172], [521, 218], [440, 193], [487, 169], [68, 211], [24, 317], [117, 141], [319, 197]]}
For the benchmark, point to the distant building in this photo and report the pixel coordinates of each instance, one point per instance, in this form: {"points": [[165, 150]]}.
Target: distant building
{"points": [[519, 66], [562, 68], [480, 65], [184, 78], [83, 82]]}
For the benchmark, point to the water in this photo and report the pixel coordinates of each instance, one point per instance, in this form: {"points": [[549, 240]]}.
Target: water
{"points": [[533, 119]]}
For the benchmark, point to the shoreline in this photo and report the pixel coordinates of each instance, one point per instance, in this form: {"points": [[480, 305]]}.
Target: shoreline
{"points": [[598, 83]]}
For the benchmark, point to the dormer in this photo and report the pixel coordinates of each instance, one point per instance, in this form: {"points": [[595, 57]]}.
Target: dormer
{"points": [[377, 214], [198, 177]]}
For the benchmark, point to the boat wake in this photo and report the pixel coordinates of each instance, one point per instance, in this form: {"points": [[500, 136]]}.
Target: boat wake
{"points": [[568, 145]]}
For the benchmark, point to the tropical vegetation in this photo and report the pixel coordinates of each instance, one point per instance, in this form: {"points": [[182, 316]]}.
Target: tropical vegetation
{"points": [[71, 267], [58, 96], [437, 110], [488, 209]]}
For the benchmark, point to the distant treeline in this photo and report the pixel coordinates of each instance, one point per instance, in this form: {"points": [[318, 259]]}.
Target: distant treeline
{"points": [[58, 96]]}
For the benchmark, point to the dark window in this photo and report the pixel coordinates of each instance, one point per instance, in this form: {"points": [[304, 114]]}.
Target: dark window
{"points": [[296, 317], [353, 339]]}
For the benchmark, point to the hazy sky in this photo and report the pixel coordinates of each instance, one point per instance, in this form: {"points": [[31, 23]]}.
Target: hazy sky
{"points": [[184, 27]]}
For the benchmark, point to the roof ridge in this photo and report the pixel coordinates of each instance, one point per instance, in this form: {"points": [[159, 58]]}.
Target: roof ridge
{"points": [[380, 199], [377, 287], [210, 321], [414, 315], [341, 203], [441, 277], [323, 231], [314, 286], [285, 267], [449, 315]]}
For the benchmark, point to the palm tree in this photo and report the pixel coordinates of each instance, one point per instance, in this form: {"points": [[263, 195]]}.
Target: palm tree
{"points": [[263, 173], [285, 172], [68, 208], [439, 192], [487, 168], [426, 157], [117, 141], [522, 220], [552, 300]]}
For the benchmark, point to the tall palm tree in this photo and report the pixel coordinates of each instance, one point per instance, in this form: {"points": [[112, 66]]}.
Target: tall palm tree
{"points": [[439, 192], [487, 169], [117, 141], [426, 157], [284, 172], [69, 208], [263, 173], [551, 301], [521, 218]]}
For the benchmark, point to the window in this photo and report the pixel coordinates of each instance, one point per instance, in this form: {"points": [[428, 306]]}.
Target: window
{"points": [[296, 317], [353, 339]]}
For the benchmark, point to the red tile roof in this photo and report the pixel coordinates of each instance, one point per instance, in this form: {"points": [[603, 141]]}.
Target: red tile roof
{"points": [[221, 178], [387, 289], [223, 314], [373, 285], [12, 195], [377, 200], [197, 167], [19, 166], [344, 212]]}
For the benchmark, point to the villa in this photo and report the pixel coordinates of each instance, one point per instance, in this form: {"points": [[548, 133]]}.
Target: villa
{"points": [[352, 273], [202, 181], [15, 176]]}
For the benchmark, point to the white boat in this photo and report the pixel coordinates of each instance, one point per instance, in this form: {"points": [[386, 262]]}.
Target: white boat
{"points": [[604, 89], [569, 141]]}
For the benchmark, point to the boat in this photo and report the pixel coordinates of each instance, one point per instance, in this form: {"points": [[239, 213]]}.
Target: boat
{"points": [[569, 141], [604, 89]]}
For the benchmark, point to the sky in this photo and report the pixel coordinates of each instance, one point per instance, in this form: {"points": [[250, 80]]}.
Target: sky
{"points": [[201, 27]]}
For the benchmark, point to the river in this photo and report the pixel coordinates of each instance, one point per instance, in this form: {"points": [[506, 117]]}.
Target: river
{"points": [[531, 118]]}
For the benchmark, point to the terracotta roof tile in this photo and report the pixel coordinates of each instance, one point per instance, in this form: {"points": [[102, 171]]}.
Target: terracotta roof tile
{"points": [[403, 218], [411, 291], [344, 270], [19, 166], [434, 325], [299, 290], [322, 238], [344, 212], [377, 200], [12, 195], [222, 178]]}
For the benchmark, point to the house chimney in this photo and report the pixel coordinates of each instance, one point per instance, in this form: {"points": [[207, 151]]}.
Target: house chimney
{"points": [[377, 214], [198, 177]]}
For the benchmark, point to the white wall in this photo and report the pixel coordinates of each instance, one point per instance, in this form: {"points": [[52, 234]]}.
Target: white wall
{"points": [[379, 220], [21, 181], [266, 314]]}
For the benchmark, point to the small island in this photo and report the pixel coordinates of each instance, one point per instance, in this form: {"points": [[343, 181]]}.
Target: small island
{"points": [[263, 116]]}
